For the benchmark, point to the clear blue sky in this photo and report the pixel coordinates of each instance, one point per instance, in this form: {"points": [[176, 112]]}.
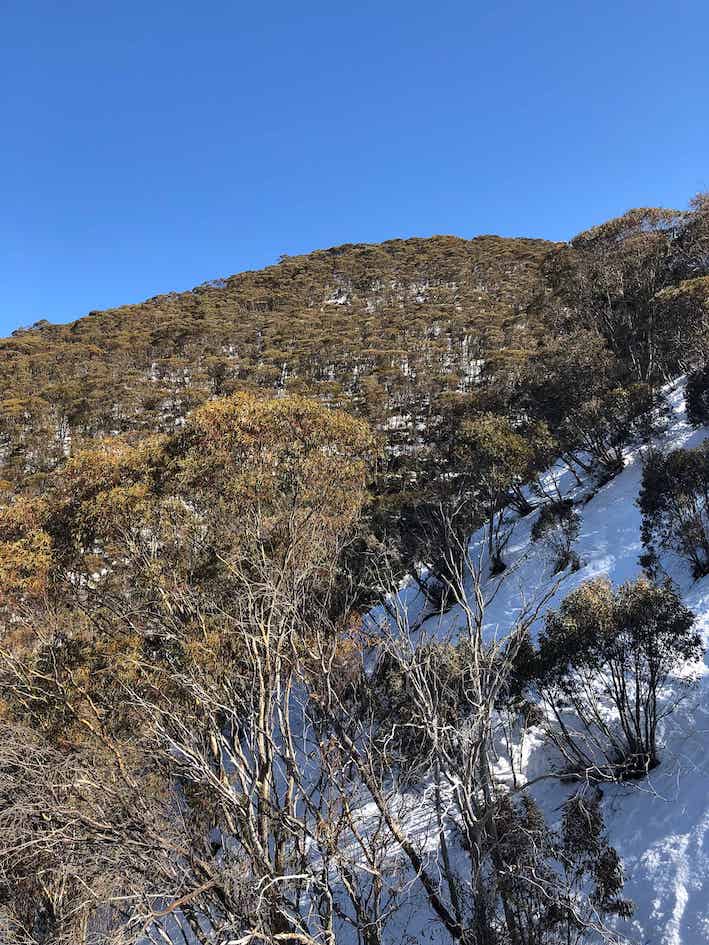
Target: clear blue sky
{"points": [[149, 146]]}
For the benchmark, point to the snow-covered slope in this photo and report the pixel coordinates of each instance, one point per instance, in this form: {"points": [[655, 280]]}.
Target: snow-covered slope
{"points": [[659, 826]]}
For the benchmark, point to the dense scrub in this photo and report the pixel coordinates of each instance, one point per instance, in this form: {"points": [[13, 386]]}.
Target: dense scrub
{"points": [[697, 396], [428, 340], [382, 330], [194, 687], [674, 501], [189, 722], [607, 655], [391, 331]]}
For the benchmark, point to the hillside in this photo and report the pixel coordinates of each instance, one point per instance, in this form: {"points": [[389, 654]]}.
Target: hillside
{"points": [[379, 329], [363, 600], [658, 826]]}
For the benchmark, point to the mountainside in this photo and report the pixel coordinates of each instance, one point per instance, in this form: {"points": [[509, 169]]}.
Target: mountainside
{"points": [[363, 600], [659, 826], [380, 329], [401, 333]]}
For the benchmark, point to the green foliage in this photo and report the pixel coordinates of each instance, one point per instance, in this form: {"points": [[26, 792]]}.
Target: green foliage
{"points": [[681, 322], [388, 331], [557, 878], [564, 373], [282, 450], [697, 396], [587, 853], [206, 518], [613, 275], [475, 465], [674, 501], [429, 341], [603, 426], [417, 320], [605, 649], [25, 549]]}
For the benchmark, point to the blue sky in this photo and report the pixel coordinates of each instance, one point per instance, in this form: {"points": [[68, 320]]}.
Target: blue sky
{"points": [[149, 146]]}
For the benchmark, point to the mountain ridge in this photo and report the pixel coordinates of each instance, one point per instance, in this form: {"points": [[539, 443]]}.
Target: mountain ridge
{"points": [[324, 324]]}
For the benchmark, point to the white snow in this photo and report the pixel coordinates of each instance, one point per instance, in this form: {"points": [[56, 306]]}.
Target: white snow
{"points": [[659, 826]]}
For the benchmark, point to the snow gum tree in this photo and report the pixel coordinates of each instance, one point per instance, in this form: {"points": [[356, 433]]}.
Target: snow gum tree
{"points": [[480, 465], [608, 655], [25, 549], [674, 501], [598, 431], [165, 607], [697, 396], [616, 270], [423, 732]]}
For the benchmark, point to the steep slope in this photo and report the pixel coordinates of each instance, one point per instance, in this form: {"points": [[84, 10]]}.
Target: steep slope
{"points": [[378, 329], [660, 826], [477, 363]]}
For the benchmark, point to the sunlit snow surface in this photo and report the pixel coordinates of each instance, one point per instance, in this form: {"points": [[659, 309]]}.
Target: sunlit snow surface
{"points": [[660, 826]]}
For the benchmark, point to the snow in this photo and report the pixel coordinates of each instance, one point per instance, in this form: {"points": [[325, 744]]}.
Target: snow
{"points": [[338, 297], [659, 826]]}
